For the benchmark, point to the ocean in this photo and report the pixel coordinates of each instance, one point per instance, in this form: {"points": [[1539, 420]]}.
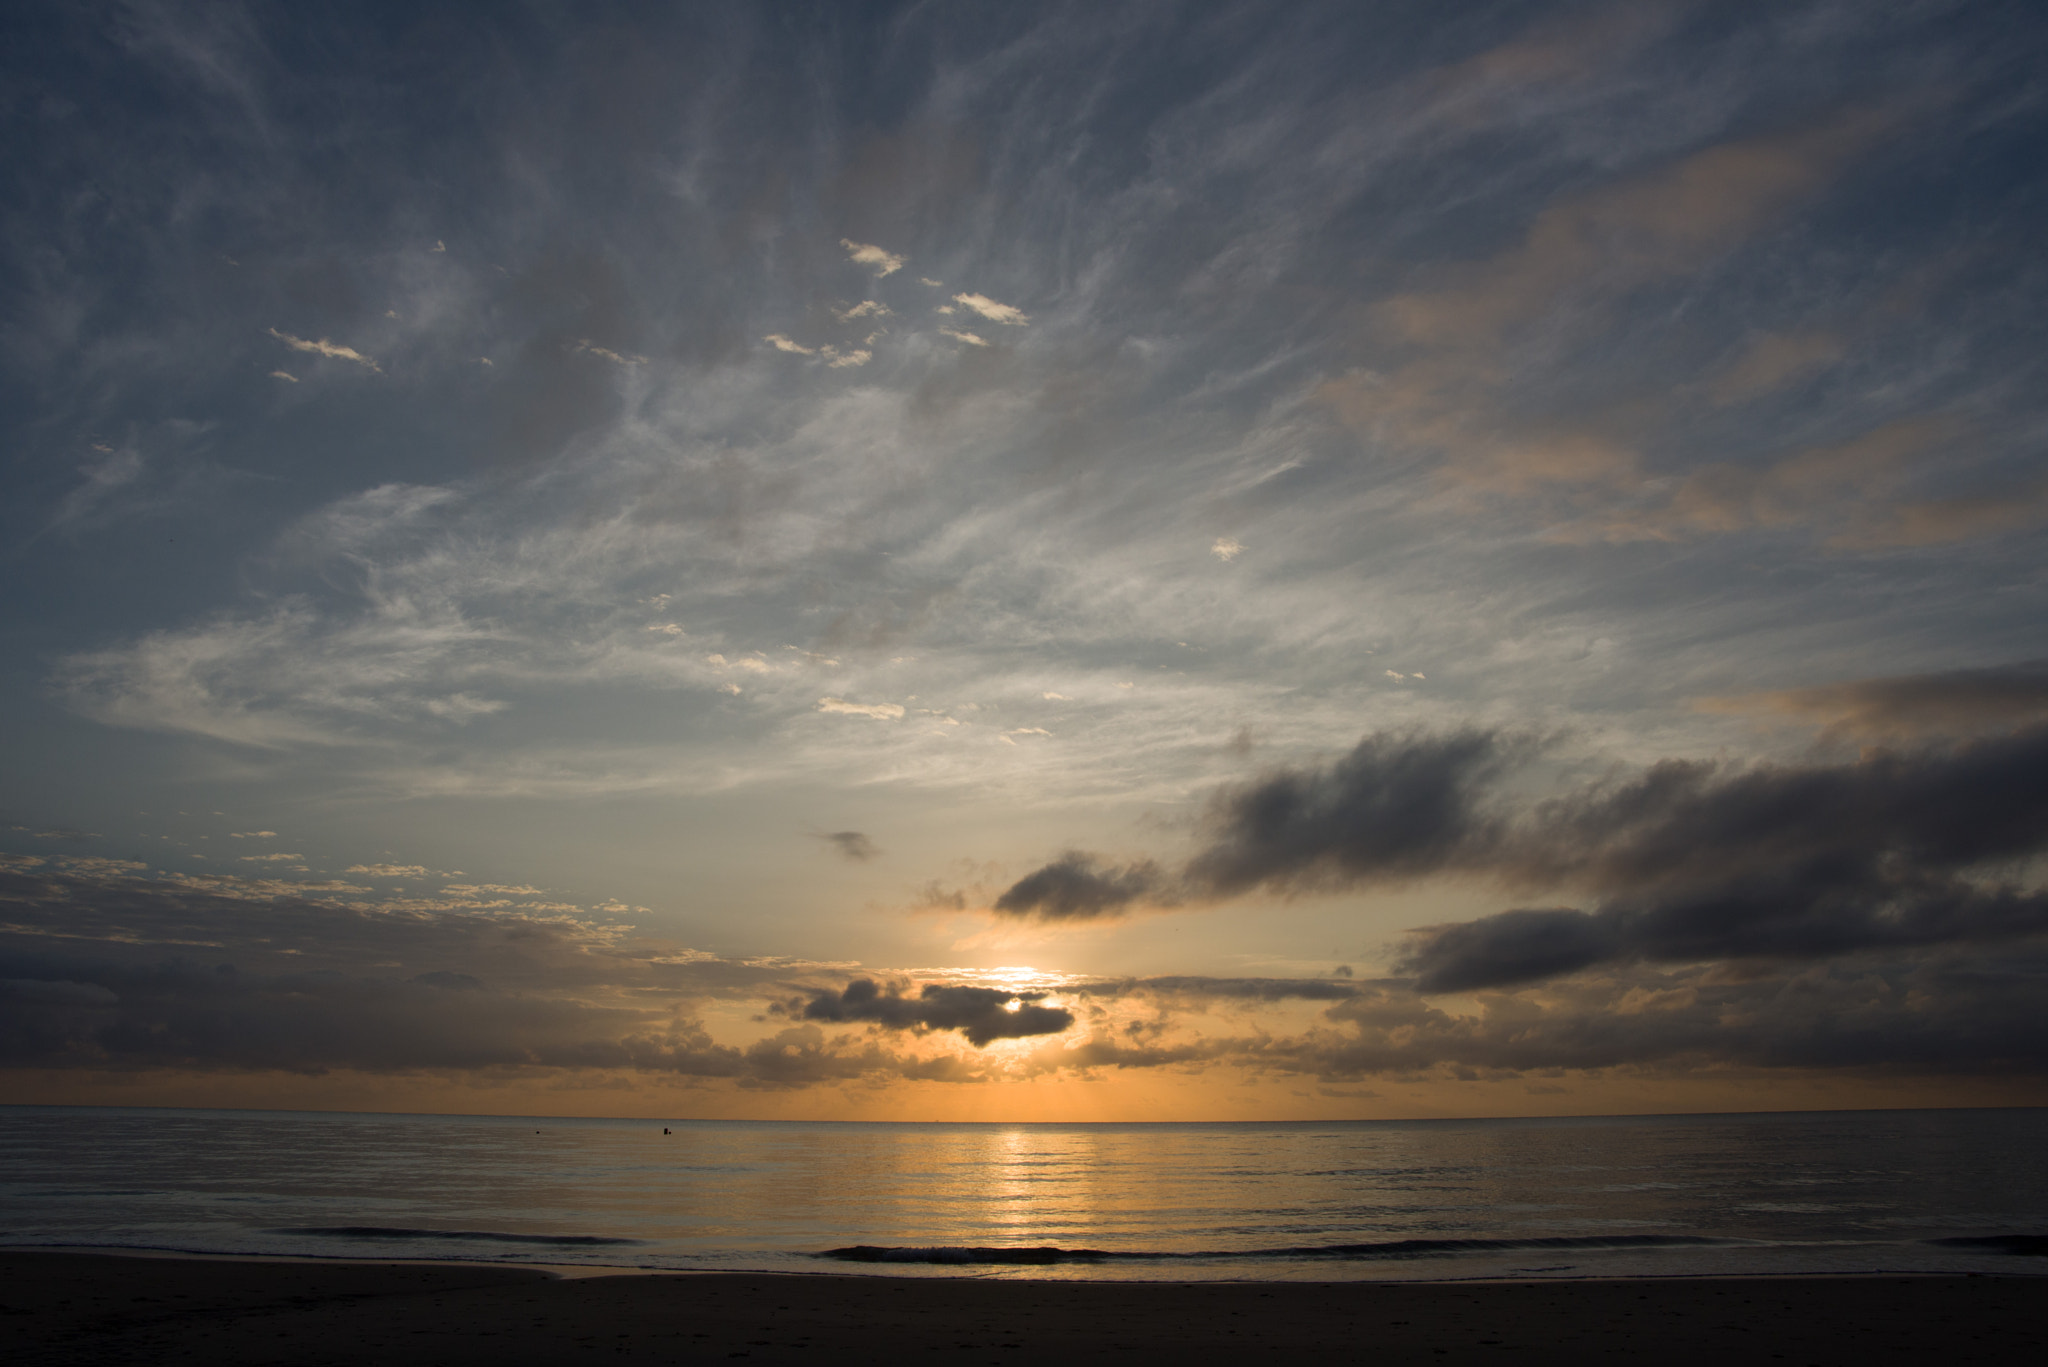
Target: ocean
{"points": [[1892, 1191]]}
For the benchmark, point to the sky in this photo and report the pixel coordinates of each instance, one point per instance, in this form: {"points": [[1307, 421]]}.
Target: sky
{"points": [[1025, 561]]}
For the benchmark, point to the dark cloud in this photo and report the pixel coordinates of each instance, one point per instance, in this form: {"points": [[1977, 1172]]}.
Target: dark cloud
{"points": [[853, 845], [1514, 946], [1699, 862], [1079, 887], [1398, 806], [1687, 861], [983, 1014]]}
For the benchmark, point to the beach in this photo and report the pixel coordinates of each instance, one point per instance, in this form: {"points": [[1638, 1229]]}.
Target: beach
{"points": [[77, 1307]]}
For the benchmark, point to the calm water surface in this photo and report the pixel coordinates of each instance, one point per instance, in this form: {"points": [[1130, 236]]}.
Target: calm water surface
{"points": [[1855, 1191]]}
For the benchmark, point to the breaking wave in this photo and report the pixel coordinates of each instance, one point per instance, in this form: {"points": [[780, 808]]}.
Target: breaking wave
{"points": [[1396, 1248]]}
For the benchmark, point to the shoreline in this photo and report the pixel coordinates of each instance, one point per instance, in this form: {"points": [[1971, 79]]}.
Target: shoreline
{"points": [[971, 1271], [99, 1306]]}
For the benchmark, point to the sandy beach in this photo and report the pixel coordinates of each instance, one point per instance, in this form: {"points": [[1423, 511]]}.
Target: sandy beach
{"points": [[65, 1307]]}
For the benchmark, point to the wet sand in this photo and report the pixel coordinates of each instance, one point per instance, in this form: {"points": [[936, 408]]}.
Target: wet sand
{"points": [[96, 1308]]}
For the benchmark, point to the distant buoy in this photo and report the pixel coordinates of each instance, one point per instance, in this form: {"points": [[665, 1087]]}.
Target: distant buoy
{"points": [[664, 1129]]}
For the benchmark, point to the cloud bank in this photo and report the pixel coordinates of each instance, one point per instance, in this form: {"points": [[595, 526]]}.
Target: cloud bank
{"points": [[1687, 862]]}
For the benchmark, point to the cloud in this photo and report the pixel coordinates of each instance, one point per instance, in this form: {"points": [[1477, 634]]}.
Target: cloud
{"points": [[1471, 341], [1400, 805], [462, 707], [271, 858], [1080, 887], [839, 360], [102, 968], [389, 870], [106, 481], [852, 845], [1697, 862], [1841, 482], [284, 375], [880, 711], [1649, 227], [1555, 51], [252, 835], [1963, 702], [1687, 862], [991, 310], [1773, 360], [782, 343], [962, 335], [865, 254], [1945, 1015], [1227, 548], [323, 347], [1939, 521], [587, 347], [867, 308], [982, 1014]]}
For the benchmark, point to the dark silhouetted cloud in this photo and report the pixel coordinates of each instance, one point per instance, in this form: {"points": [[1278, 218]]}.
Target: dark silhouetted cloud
{"points": [[1697, 862], [1398, 806], [1395, 807], [983, 1014], [1688, 861], [1079, 887], [852, 845]]}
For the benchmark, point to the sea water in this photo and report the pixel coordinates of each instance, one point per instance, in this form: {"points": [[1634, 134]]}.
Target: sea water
{"points": [[1935, 1191]]}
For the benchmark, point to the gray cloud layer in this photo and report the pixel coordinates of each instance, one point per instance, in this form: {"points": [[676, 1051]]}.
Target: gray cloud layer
{"points": [[110, 971], [107, 969]]}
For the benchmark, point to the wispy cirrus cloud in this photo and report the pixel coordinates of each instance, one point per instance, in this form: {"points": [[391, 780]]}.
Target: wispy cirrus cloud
{"points": [[322, 347], [877, 711], [992, 310]]}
